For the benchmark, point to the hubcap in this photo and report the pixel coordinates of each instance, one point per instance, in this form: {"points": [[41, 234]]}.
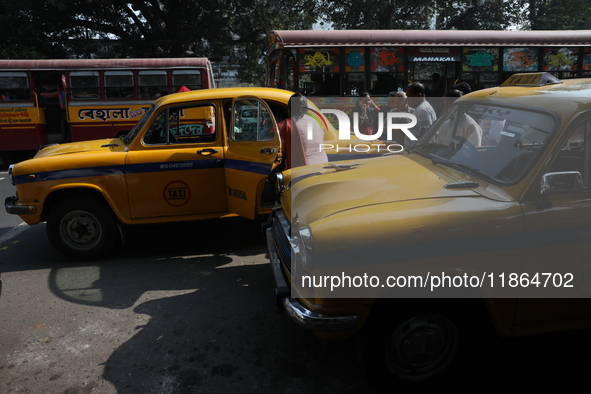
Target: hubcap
{"points": [[421, 347], [80, 230]]}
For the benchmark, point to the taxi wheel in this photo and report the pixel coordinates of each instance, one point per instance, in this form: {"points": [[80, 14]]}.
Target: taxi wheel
{"points": [[82, 229], [418, 345]]}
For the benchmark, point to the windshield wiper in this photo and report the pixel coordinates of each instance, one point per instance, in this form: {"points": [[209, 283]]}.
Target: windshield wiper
{"points": [[425, 146], [416, 146], [465, 167]]}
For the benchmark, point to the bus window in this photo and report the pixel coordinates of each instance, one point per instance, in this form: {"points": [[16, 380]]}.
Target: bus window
{"points": [[118, 84], [14, 86], [188, 78], [320, 71], [354, 84], [84, 85], [153, 83], [384, 83]]}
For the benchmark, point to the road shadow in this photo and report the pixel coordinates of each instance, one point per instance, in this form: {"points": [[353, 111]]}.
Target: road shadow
{"points": [[159, 257], [229, 337], [224, 333]]}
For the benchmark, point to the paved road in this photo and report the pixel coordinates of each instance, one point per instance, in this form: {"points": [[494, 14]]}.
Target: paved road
{"points": [[189, 309], [186, 308]]}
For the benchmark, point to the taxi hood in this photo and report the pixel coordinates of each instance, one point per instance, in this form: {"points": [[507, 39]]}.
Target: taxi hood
{"points": [[318, 191], [81, 146]]}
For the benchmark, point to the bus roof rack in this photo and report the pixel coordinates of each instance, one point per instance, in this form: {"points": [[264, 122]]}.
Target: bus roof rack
{"points": [[531, 79]]}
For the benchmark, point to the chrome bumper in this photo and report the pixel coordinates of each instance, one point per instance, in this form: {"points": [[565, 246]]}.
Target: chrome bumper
{"points": [[12, 207], [296, 311]]}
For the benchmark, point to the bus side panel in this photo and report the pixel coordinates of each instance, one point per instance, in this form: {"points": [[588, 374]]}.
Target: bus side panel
{"points": [[97, 120], [22, 127]]}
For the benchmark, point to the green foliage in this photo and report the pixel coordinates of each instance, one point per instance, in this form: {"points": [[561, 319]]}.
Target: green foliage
{"points": [[422, 14], [235, 30], [24, 34], [379, 14], [232, 30], [478, 14], [559, 14]]}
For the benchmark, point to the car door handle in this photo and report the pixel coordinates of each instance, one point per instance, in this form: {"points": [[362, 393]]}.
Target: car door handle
{"points": [[267, 151], [207, 152]]}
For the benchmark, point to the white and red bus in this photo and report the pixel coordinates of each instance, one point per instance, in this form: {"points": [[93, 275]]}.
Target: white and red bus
{"points": [[102, 96]]}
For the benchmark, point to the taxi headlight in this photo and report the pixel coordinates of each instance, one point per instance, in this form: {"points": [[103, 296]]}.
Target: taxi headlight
{"points": [[279, 185], [302, 249], [10, 167]]}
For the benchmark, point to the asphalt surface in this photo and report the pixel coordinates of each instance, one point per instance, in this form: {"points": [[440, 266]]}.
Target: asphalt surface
{"points": [[183, 309], [189, 308]]}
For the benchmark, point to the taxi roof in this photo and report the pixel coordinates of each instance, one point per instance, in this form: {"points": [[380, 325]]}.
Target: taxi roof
{"points": [[580, 87], [281, 95], [567, 97]]}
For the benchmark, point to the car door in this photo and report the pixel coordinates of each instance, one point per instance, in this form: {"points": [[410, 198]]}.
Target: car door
{"points": [[252, 153], [179, 168], [558, 240]]}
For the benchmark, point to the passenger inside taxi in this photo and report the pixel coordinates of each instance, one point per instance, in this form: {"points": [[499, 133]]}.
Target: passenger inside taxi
{"points": [[458, 127]]}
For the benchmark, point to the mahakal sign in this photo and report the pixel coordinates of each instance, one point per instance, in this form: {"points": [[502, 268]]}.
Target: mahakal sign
{"points": [[434, 54]]}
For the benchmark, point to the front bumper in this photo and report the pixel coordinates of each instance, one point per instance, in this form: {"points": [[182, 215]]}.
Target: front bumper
{"points": [[13, 208], [296, 311]]}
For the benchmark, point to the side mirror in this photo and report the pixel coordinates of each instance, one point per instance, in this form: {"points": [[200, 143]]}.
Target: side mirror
{"points": [[561, 182]]}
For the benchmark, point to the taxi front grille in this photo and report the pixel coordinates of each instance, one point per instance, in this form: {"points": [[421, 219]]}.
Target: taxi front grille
{"points": [[281, 229]]}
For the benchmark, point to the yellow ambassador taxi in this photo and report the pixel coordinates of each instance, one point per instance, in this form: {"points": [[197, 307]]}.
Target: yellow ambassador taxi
{"points": [[195, 155], [413, 253]]}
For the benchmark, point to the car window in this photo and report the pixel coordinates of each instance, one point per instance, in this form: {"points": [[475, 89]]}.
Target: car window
{"points": [[495, 142], [251, 121], [183, 125], [574, 154]]}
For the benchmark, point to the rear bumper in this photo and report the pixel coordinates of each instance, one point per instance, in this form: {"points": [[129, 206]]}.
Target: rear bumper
{"points": [[296, 311], [11, 206]]}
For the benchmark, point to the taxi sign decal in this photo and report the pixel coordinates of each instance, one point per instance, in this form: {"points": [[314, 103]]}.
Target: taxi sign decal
{"points": [[177, 193], [531, 79]]}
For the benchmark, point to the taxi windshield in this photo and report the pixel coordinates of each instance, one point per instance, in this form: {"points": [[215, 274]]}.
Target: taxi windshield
{"points": [[492, 142], [129, 137]]}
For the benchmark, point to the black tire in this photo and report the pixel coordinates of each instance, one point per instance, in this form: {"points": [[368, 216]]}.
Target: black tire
{"points": [[419, 344], [81, 228]]}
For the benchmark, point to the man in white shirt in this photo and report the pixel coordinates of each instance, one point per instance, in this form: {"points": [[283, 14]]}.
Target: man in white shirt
{"points": [[458, 125], [300, 147], [424, 112]]}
